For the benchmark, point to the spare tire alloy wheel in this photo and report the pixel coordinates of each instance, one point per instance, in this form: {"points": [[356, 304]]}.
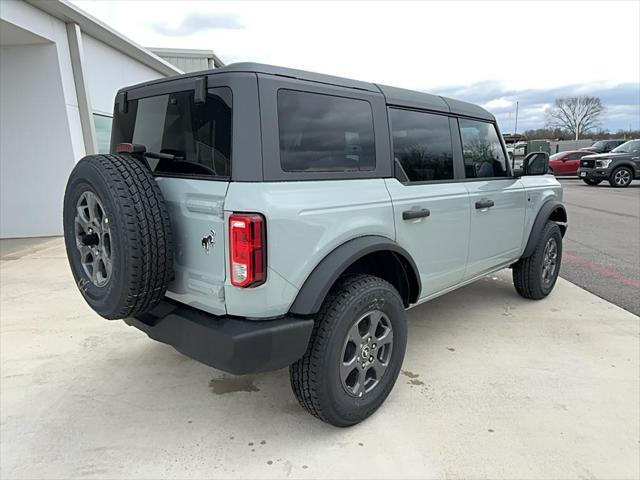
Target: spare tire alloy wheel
{"points": [[93, 238], [117, 235], [366, 353]]}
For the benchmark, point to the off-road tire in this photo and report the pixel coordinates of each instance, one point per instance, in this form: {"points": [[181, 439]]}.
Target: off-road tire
{"points": [[591, 181], [141, 244], [618, 171], [315, 379], [527, 272]]}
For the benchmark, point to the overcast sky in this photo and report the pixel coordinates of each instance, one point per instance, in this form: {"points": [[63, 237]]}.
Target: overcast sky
{"points": [[491, 53]]}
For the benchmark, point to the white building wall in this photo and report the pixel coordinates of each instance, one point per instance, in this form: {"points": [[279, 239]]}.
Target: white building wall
{"points": [[40, 129], [36, 149], [188, 64], [108, 70], [50, 29], [40, 134]]}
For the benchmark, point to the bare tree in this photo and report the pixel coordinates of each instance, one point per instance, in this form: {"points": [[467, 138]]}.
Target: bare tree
{"points": [[575, 114]]}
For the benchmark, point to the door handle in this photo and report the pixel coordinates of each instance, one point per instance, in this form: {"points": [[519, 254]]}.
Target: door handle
{"points": [[484, 204], [413, 214]]}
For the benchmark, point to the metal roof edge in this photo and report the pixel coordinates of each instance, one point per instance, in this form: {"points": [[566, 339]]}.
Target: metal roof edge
{"points": [[69, 13]]}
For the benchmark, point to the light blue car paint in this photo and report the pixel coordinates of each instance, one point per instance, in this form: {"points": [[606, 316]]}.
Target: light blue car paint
{"points": [[196, 210], [438, 243], [456, 243]]}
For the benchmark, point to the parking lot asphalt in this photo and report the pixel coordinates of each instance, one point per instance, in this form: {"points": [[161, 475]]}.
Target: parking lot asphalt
{"points": [[492, 386], [602, 245]]}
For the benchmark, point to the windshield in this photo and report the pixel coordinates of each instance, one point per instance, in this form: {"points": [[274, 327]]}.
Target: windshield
{"points": [[601, 143], [629, 147]]}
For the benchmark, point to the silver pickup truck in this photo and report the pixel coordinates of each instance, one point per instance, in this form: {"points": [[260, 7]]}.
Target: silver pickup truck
{"points": [[257, 217]]}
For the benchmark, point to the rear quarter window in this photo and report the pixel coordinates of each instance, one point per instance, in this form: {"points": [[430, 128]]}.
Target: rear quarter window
{"points": [[324, 133]]}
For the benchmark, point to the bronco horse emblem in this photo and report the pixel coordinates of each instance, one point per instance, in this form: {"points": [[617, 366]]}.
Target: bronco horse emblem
{"points": [[208, 241]]}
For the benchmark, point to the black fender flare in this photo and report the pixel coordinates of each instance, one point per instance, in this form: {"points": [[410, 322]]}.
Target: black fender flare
{"points": [[324, 275], [550, 210]]}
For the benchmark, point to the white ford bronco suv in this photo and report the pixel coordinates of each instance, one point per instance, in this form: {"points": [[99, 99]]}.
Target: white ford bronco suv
{"points": [[257, 217]]}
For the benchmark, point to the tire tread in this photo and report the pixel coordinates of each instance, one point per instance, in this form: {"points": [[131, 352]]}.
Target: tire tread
{"points": [[146, 228], [304, 374], [525, 272]]}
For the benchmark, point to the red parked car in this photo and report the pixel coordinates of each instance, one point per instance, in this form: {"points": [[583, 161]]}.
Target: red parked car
{"points": [[567, 163]]}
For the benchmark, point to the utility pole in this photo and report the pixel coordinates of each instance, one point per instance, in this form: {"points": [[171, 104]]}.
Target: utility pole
{"points": [[515, 129]]}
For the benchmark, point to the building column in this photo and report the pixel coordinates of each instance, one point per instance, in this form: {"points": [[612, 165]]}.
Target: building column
{"points": [[76, 51]]}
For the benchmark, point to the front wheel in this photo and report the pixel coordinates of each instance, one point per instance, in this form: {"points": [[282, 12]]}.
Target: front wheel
{"points": [[355, 352], [535, 276], [621, 177], [591, 181]]}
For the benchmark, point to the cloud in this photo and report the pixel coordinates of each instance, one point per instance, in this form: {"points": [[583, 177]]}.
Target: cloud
{"points": [[622, 102], [198, 22]]}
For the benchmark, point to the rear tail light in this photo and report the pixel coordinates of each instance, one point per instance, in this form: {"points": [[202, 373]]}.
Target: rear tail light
{"points": [[247, 249], [130, 148]]}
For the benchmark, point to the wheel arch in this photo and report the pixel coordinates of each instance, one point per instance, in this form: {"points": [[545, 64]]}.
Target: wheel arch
{"points": [[550, 210], [635, 171], [371, 254]]}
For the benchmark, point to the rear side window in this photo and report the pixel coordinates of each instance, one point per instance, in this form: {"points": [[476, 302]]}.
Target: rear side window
{"points": [[198, 135], [422, 145], [482, 150], [324, 133]]}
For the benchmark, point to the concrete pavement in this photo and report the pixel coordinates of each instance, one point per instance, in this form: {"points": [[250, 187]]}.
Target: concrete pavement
{"points": [[493, 386]]}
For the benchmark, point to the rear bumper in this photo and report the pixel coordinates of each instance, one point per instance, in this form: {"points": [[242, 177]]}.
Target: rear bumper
{"points": [[235, 345]]}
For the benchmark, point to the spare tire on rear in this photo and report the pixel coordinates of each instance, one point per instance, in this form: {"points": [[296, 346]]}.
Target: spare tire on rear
{"points": [[117, 235]]}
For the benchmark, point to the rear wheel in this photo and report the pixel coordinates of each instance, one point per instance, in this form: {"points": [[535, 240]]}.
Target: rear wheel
{"points": [[355, 352], [591, 181], [621, 177], [535, 276]]}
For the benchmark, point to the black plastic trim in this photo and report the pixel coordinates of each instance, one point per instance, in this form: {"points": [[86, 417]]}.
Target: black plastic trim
{"points": [[320, 281], [177, 85], [413, 214], [231, 344], [538, 225]]}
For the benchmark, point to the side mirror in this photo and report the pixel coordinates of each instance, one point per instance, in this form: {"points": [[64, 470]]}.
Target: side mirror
{"points": [[536, 163]]}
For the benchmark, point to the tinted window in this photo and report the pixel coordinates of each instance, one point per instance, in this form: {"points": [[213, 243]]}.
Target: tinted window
{"points": [[422, 145], [629, 147], [323, 133], [482, 150], [199, 135]]}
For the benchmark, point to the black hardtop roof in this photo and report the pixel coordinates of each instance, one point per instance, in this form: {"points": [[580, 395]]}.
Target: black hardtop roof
{"points": [[393, 95]]}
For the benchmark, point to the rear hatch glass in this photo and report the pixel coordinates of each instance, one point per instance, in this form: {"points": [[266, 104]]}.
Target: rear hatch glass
{"points": [[197, 135]]}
